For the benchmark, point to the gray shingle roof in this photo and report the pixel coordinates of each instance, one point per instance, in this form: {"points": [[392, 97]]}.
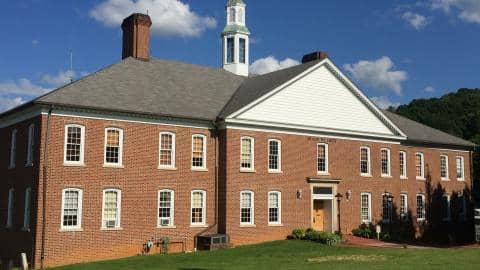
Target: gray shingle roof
{"points": [[420, 133]]}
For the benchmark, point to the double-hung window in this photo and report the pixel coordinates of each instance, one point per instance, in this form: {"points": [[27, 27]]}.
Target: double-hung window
{"points": [[247, 153], [243, 50], [246, 208], [10, 208], [165, 208], [167, 150], [112, 199], [30, 145], [385, 162], [199, 151], [71, 209], [419, 166], [366, 207], [446, 207], [74, 144], [365, 161], [113, 146], [387, 207], [403, 206], [198, 201], [322, 158], [460, 168], [421, 213], [403, 164], [274, 207], [13, 149], [274, 155], [444, 167], [26, 213], [230, 50]]}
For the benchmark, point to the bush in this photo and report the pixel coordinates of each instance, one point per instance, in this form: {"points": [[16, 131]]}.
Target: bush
{"points": [[330, 239], [298, 234], [365, 231]]}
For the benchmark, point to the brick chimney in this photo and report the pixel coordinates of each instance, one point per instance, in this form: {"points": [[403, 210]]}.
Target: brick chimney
{"points": [[314, 56], [136, 36]]}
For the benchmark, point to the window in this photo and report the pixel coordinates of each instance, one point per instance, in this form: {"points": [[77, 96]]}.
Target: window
{"points": [[444, 167], [462, 208], [165, 208], [387, 206], [420, 207], [365, 160], [403, 164], [247, 154], [71, 209], [74, 143], [385, 161], [322, 158], [233, 16], [446, 207], [274, 207], [199, 151], [460, 168], [240, 17], [113, 146], [30, 145], [26, 213], [243, 50], [365, 207], [198, 207], [111, 208], [419, 166], [274, 155], [10, 208], [13, 149], [246, 207], [403, 207], [230, 50], [167, 150]]}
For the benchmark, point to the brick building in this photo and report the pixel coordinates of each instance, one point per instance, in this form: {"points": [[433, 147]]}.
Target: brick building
{"points": [[146, 149]]}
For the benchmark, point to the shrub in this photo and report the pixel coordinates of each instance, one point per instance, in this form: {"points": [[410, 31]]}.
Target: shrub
{"points": [[365, 231], [326, 238], [298, 234]]}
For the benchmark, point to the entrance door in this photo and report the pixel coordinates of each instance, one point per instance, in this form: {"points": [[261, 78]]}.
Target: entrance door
{"points": [[318, 215]]}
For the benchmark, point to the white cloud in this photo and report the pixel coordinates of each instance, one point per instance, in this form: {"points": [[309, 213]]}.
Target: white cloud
{"points": [[469, 10], [384, 102], [169, 17], [378, 74], [429, 89], [22, 87], [7, 103], [270, 64], [35, 43], [415, 20], [60, 79]]}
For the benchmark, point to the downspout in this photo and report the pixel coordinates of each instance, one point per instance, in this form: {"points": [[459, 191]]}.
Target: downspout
{"points": [[215, 133], [44, 188]]}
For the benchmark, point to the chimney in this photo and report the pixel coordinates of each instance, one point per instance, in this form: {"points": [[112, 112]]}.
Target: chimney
{"points": [[136, 36], [319, 55]]}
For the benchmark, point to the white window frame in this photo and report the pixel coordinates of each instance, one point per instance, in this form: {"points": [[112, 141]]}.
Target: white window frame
{"points": [[403, 164], [252, 154], [422, 164], [279, 161], [462, 163], [27, 208], [30, 145], [279, 196], [119, 209], [389, 163], [444, 178], [82, 145], [326, 159], [172, 209], [13, 149], [252, 208], [449, 211], [404, 199], [390, 209], [80, 204], [10, 207], [424, 206], [120, 148], [172, 155], [204, 152], [369, 172], [369, 220], [204, 208]]}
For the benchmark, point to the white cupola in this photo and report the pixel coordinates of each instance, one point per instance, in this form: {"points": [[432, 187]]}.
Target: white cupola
{"points": [[235, 39]]}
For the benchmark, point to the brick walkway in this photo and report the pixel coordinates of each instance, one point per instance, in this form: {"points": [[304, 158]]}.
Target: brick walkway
{"points": [[364, 242]]}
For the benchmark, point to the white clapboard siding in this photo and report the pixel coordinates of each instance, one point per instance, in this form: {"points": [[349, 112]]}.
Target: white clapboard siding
{"points": [[321, 100]]}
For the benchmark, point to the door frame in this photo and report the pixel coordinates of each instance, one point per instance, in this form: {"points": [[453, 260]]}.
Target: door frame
{"points": [[324, 197]]}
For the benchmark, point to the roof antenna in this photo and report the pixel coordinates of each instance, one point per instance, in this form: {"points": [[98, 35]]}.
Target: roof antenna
{"points": [[71, 66]]}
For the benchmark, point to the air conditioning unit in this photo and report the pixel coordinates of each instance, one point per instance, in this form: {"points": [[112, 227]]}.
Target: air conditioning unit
{"points": [[212, 242], [164, 222], [110, 224], [477, 224]]}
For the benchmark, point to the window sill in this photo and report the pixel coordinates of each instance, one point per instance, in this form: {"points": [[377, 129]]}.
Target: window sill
{"points": [[386, 176], [421, 178], [74, 164], [461, 179], [167, 227], [111, 229], [248, 171], [70, 230], [28, 165], [403, 178], [199, 169], [275, 172], [198, 226], [113, 166], [323, 173], [25, 229], [365, 175], [445, 179], [248, 225], [167, 168], [275, 225]]}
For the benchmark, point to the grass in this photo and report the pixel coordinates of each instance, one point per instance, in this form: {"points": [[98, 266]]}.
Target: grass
{"points": [[296, 254]]}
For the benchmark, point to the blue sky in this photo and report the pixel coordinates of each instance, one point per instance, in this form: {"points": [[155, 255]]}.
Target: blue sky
{"points": [[395, 50]]}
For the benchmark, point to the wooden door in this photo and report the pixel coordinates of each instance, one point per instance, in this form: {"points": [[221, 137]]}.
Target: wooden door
{"points": [[318, 215]]}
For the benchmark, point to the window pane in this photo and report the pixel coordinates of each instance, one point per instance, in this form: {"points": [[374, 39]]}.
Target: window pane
{"points": [[273, 155], [166, 150], [230, 50], [364, 160], [197, 154], [70, 208], [387, 208], [403, 207], [403, 169], [443, 167], [197, 207], [112, 146], [365, 208], [385, 156], [321, 158], [246, 207], [419, 164], [459, 166], [273, 207], [165, 207], [246, 153], [420, 207], [74, 141], [110, 210], [242, 50]]}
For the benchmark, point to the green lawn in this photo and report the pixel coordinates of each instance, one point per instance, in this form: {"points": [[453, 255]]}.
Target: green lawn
{"points": [[297, 254]]}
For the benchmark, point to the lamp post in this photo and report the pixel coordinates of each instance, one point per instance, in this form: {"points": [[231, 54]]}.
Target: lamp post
{"points": [[339, 198]]}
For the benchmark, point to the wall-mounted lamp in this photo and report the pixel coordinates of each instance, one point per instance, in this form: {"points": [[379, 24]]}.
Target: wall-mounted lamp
{"points": [[299, 193], [348, 194]]}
